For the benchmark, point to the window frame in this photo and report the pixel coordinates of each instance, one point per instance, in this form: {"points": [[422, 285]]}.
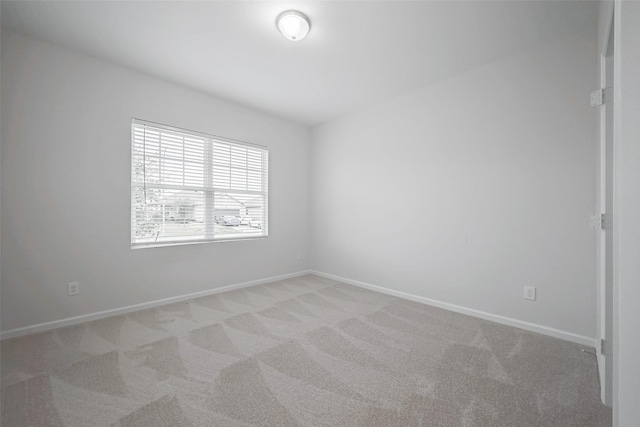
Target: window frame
{"points": [[209, 190]]}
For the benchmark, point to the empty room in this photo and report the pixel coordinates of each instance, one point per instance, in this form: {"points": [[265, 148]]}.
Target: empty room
{"points": [[320, 213]]}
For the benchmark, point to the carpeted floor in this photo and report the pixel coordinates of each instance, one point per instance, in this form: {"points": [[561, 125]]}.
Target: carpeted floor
{"points": [[304, 351]]}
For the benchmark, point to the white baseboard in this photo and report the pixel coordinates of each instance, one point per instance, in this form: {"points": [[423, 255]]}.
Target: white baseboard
{"points": [[69, 321], [545, 330]]}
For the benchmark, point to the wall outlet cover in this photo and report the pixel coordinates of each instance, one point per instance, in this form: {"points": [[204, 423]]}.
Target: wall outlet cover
{"points": [[530, 293], [73, 288]]}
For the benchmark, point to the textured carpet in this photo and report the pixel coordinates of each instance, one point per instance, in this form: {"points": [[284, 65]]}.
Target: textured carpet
{"points": [[304, 351]]}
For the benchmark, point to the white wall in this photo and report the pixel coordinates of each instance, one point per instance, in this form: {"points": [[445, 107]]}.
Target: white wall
{"points": [[467, 190], [626, 411], [66, 187]]}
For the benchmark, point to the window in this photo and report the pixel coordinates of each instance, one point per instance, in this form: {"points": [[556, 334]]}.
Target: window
{"points": [[188, 187]]}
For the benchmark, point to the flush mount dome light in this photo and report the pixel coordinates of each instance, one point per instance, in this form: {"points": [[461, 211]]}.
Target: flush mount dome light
{"points": [[293, 25]]}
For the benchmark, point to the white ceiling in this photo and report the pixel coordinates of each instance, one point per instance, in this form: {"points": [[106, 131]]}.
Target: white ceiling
{"points": [[357, 52]]}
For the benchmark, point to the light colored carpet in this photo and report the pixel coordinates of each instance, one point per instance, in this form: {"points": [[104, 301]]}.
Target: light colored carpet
{"points": [[304, 351]]}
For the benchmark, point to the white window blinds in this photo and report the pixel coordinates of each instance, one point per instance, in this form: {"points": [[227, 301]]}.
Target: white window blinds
{"points": [[188, 187]]}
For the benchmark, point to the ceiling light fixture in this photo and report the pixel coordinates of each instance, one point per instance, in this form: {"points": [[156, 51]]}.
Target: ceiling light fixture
{"points": [[293, 25]]}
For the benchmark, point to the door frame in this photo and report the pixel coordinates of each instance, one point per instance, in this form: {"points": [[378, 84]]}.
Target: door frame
{"points": [[605, 38]]}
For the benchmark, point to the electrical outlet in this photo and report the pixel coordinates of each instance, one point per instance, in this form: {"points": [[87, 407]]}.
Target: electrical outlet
{"points": [[530, 293], [73, 288]]}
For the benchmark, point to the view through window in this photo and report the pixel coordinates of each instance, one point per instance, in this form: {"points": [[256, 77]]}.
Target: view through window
{"points": [[189, 187]]}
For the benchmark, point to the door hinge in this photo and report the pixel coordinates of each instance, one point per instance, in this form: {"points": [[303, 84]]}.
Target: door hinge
{"points": [[597, 221], [601, 96], [602, 221], [603, 347]]}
